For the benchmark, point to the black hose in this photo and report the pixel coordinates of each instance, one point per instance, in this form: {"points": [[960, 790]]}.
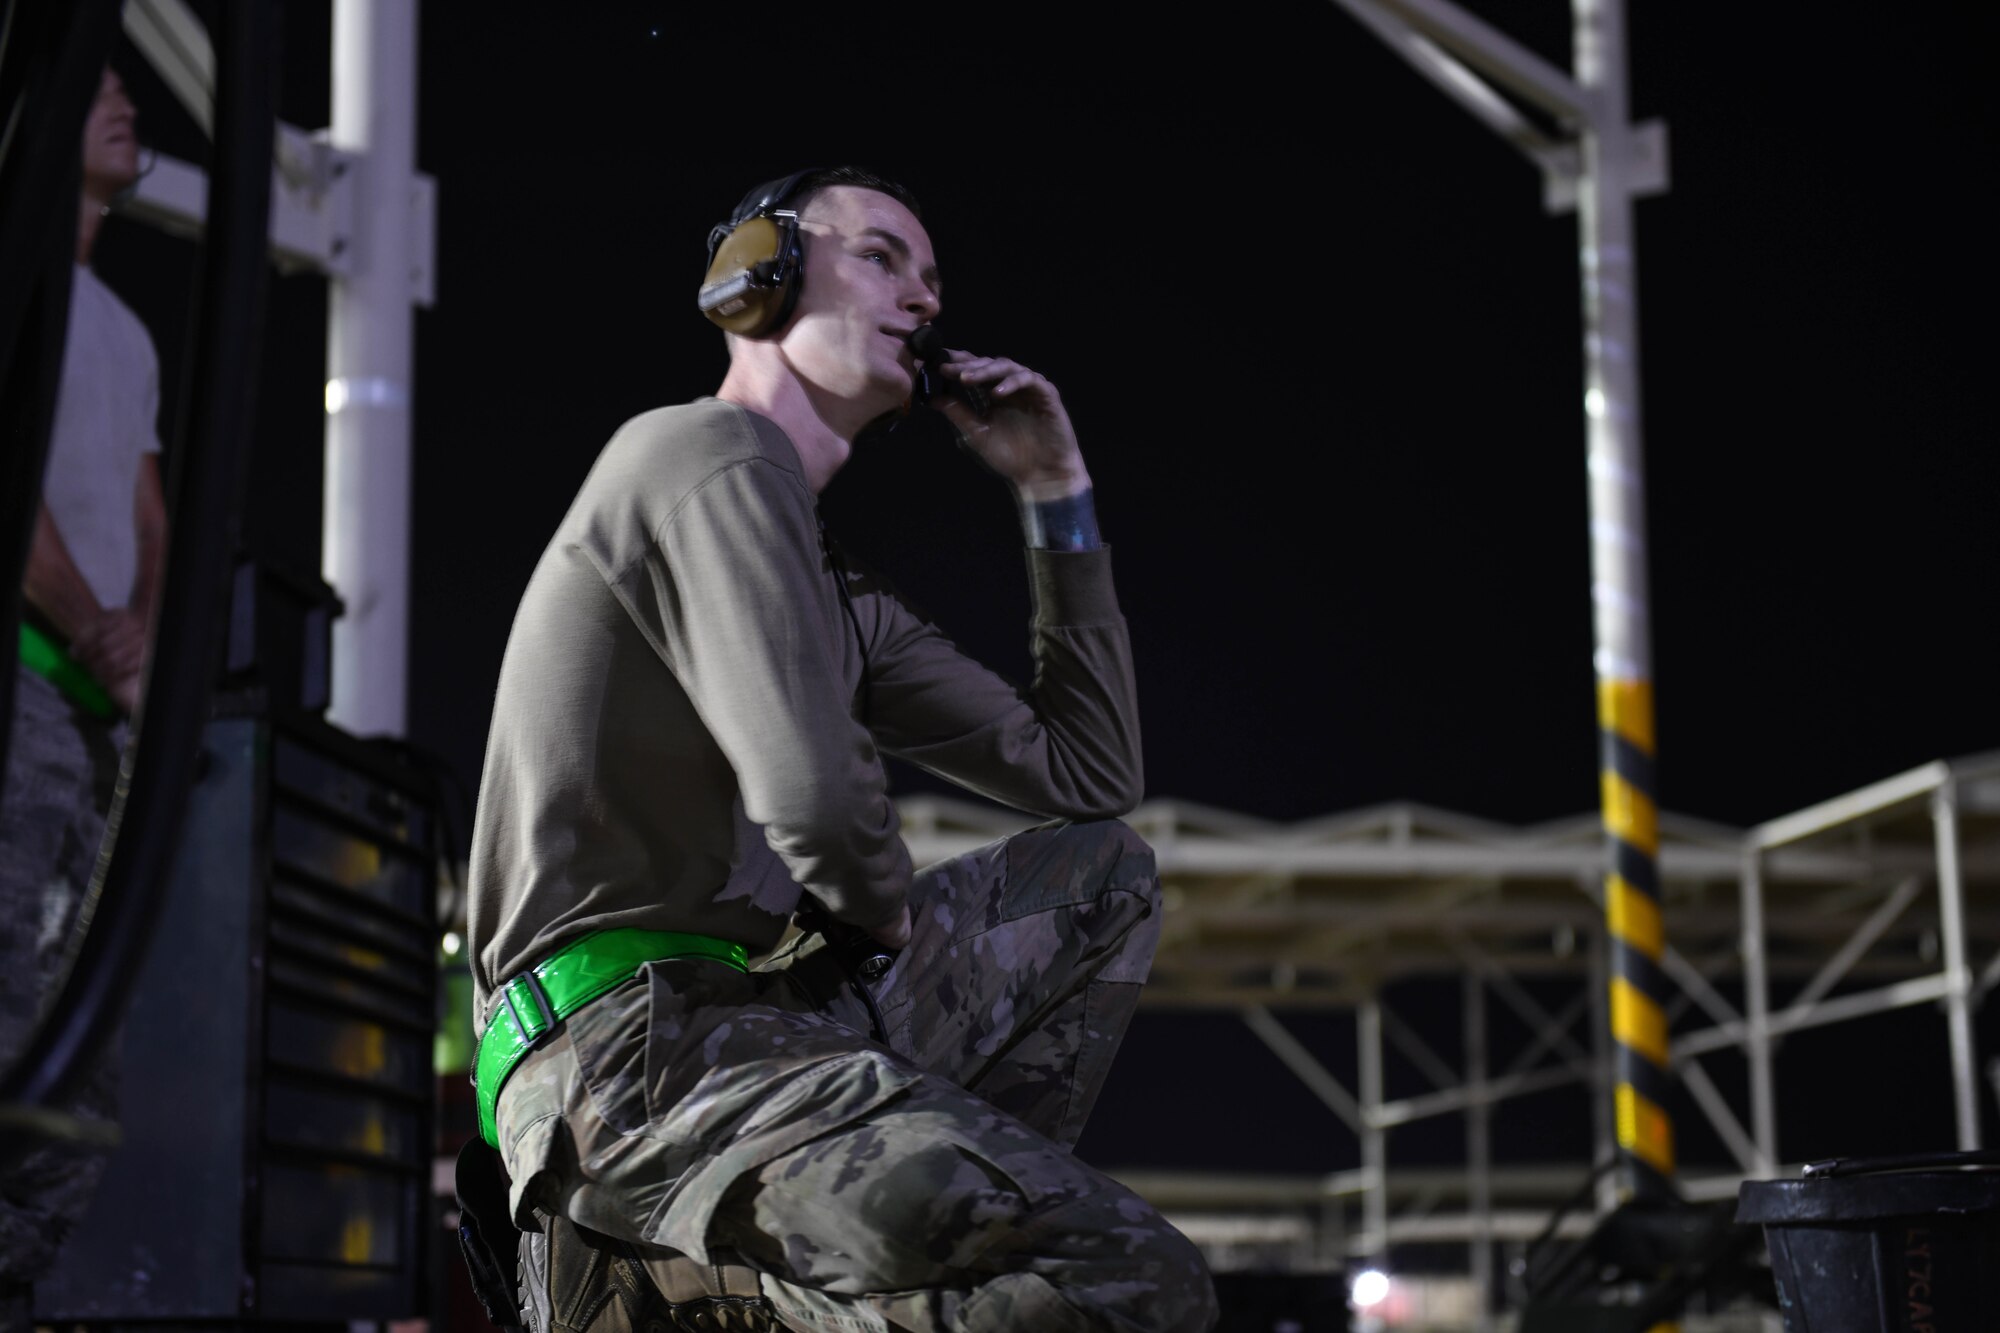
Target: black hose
{"points": [[205, 486]]}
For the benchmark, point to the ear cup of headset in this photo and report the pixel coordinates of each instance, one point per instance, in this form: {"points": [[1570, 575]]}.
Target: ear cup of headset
{"points": [[755, 262], [753, 282]]}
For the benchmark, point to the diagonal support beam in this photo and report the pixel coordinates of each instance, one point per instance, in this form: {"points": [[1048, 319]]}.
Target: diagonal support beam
{"points": [[176, 44], [1694, 984], [1546, 1039], [1305, 1065], [1406, 1040], [1496, 56], [1860, 942], [1796, 1018], [1712, 1103], [171, 37], [1700, 969], [1452, 77], [1418, 1208], [1989, 977], [1522, 1003]]}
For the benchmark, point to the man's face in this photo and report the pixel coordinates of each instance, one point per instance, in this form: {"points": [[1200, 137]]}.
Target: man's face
{"points": [[110, 139], [869, 280]]}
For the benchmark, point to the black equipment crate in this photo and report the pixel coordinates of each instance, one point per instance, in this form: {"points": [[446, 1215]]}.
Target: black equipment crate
{"points": [[277, 1096], [280, 639]]}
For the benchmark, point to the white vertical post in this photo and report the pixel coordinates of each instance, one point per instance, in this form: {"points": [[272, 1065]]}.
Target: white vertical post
{"points": [[1374, 1138], [1757, 1013], [1479, 1154], [366, 553], [1332, 1229], [1957, 972], [1611, 352]]}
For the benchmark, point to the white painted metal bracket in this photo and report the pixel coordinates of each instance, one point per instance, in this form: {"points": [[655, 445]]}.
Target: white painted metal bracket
{"points": [[1488, 73], [312, 197], [312, 212]]}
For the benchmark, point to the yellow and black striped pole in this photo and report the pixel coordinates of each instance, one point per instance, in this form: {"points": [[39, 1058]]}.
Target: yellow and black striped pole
{"points": [[1632, 914]]}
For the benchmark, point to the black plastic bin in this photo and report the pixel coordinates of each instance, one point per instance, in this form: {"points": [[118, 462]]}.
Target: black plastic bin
{"points": [[1884, 1245]]}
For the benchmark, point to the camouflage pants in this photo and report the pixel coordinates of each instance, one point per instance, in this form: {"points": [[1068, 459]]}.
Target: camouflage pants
{"points": [[926, 1186], [61, 769]]}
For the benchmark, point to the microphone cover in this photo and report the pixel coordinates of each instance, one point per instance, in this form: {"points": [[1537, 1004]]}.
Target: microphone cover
{"points": [[928, 344]]}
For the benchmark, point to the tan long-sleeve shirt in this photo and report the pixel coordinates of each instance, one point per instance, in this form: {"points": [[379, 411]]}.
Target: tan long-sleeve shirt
{"points": [[676, 741]]}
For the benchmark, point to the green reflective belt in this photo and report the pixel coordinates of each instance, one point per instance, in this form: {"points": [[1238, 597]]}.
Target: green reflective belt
{"points": [[43, 656], [535, 1001]]}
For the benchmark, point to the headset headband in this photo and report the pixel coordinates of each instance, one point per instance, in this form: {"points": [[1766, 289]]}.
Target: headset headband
{"points": [[766, 198]]}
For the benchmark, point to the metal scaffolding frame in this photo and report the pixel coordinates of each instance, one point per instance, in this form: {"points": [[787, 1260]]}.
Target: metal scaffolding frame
{"points": [[1262, 918], [348, 203]]}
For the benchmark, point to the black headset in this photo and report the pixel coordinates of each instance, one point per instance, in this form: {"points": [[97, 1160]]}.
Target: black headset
{"points": [[756, 261]]}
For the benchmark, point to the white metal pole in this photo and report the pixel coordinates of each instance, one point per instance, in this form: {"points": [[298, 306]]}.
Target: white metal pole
{"points": [[1958, 973], [1479, 1154], [1757, 1014], [1618, 590], [366, 553], [1611, 355], [1332, 1234], [1374, 1138]]}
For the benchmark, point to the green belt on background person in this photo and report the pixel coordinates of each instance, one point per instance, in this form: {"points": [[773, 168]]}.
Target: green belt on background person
{"points": [[531, 1004], [46, 658]]}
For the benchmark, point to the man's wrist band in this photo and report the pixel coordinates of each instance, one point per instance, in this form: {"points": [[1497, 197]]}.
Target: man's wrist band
{"points": [[1066, 524]]}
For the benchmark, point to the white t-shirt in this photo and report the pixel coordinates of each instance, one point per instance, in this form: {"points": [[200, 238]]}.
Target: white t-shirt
{"points": [[104, 424]]}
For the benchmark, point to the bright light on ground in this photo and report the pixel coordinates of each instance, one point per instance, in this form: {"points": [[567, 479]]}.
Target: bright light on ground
{"points": [[1370, 1288]]}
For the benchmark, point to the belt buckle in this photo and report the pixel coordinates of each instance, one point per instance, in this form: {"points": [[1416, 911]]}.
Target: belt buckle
{"points": [[546, 1018]]}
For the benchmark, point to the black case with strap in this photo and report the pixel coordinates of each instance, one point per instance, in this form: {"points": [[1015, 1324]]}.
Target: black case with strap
{"points": [[487, 1236]]}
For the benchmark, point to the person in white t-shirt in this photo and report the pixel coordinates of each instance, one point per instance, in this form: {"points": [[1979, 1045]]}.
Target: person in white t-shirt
{"points": [[91, 589], [93, 573]]}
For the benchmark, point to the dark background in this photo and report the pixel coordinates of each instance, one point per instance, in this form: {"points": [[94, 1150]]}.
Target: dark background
{"points": [[1323, 350]]}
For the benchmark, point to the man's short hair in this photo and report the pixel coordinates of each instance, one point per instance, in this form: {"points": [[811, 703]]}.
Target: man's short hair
{"points": [[860, 179]]}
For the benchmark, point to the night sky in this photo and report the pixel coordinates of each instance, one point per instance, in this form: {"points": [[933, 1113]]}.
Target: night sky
{"points": [[1322, 348]]}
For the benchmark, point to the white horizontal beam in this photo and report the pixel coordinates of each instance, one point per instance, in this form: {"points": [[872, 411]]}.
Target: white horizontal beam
{"points": [[1708, 1189], [1510, 1224], [1228, 1189], [1465, 1097], [1191, 855], [1164, 997], [1919, 990], [1516, 917], [312, 211], [1876, 796]]}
